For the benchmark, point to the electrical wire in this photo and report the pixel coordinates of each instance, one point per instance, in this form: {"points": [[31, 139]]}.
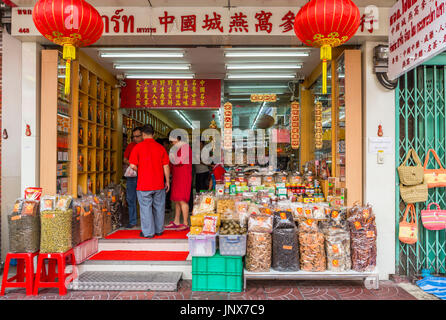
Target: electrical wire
{"points": [[385, 82]]}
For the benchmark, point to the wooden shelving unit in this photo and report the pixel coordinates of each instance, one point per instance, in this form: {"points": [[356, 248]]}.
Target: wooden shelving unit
{"points": [[94, 155]]}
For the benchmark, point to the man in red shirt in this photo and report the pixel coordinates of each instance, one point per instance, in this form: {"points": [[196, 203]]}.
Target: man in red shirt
{"points": [[151, 161], [131, 181]]}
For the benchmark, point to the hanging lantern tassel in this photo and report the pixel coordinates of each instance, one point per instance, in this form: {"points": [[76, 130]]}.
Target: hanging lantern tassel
{"points": [[69, 53], [325, 56]]}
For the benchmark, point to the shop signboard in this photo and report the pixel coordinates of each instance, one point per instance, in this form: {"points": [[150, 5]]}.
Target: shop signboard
{"points": [[235, 21], [263, 97], [295, 124], [171, 93], [417, 33], [227, 130]]}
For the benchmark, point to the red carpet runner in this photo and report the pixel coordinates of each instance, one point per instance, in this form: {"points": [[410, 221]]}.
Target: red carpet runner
{"points": [[141, 255], [134, 234]]}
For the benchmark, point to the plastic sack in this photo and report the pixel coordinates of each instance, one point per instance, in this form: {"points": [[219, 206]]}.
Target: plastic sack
{"points": [[24, 227], [285, 250], [76, 223], [336, 222], [226, 208], [308, 226], [107, 220], [98, 218], [337, 247], [260, 223], [86, 221], [283, 220], [253, 209], [319, 211], [297, 209], [130, 173], [241, 209], [312, 251], [258, 252], [206, 203], [56, 227]]}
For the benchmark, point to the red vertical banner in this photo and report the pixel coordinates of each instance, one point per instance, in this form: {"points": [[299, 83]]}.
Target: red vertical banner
{"points": [[227, 131], [318, 126], [295, 125], [171, 93]]}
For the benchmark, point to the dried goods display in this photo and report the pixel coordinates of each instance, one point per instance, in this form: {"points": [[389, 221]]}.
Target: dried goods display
{"points": [[86, 220], [206, 203], [283, 220], [98, 218], [210, 225], [231, 227], [258, 252], [337, 245], [226, 207], [308, 226], [312, 251], [24, 227], [285, 250], [56, 227], [260, 223], [76, 223]]}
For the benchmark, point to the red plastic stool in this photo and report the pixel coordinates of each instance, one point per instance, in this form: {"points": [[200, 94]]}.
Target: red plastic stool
{"points": [[49, 281], [24, 277]]}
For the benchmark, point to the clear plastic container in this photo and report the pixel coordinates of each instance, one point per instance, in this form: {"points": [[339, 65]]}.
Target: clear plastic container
{"points": [[232, 245], [202, 245]]}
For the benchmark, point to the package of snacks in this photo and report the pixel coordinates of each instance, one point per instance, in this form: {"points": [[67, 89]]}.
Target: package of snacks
{"points": [[98, 217], [319, 211], [241, 209], [363, 239], [260, 223], [86, 220], [107, 220], [266, 209], [336, 220], [226, 207], [56, 227], [195, 230], [285, 250], [47, 203], [337, 245], [297, 209], [197, 220], [24, 227], [283, 220], [253, 209], [206, 203], [308, 211], [258, 252], [308, 226], [312, 251], [210, 225]]}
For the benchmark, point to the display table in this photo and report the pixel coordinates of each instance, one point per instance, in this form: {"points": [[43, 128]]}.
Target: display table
{"points": [[371, 279]]}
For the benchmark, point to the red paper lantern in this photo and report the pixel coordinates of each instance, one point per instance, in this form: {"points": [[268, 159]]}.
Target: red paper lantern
{"points": [[69, 23], [326, 24]]}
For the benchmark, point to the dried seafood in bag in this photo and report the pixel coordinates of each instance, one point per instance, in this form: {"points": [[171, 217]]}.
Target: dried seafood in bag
{"points": [[258, 252], [312, 251], [285, 250], [337, 245], [260, 223]]}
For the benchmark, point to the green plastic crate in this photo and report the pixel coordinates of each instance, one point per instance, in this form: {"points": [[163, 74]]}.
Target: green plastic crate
{"points": [[217, 282], [218, 264]]}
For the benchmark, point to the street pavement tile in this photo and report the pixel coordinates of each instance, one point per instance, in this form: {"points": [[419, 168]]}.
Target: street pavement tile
{"points": [[210, 295], [283, 293], [391, 291], [135, 295], [318, 293], [355, 293], [254, 291], [185, 295]]}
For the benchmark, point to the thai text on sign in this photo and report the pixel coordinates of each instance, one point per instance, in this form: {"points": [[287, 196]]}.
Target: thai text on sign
{"points": [[171, 93]]}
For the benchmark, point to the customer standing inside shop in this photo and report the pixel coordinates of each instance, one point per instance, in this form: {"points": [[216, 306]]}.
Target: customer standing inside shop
{"points": [[151, 161], [181, 163], [202, 175], [131, 181]]}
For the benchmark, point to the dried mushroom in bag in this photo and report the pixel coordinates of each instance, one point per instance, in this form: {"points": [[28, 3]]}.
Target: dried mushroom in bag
{"points": [[258, 252], [312, 251], [283, 220], [285, 250], [260, 223], [337, 245]]}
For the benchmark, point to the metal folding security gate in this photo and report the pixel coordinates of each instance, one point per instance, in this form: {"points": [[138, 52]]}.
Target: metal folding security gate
{"points": [[421, 124]]}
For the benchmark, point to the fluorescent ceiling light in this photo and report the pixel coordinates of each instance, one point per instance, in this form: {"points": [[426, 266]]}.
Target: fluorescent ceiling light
{"points": [[255, 87], [184, 118], [172, 66], [141, 54], [160, 76], [262, 66], [139, 49], [246, 99], [261, 76], [265, 54]]}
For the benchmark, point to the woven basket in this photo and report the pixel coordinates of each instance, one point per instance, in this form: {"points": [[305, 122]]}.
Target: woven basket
{"points": [[413, 194], [410, 176]]}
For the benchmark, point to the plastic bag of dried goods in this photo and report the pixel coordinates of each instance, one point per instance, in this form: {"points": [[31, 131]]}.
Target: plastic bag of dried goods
{"points": [[285, 250], [258, 252]]}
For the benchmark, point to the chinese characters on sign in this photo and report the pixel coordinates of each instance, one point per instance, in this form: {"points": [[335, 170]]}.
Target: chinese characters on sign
{"points": [[318, 126], [295, 124], [264, 97], [171, 93], [227, 130], [196, 21], [417, 33]]}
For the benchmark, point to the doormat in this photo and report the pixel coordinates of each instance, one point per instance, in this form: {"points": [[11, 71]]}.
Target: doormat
{"points": [[128, 255], [134, 234]]}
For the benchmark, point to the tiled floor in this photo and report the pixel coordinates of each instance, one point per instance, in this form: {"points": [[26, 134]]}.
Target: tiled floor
{"points": [[256, 290]]}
